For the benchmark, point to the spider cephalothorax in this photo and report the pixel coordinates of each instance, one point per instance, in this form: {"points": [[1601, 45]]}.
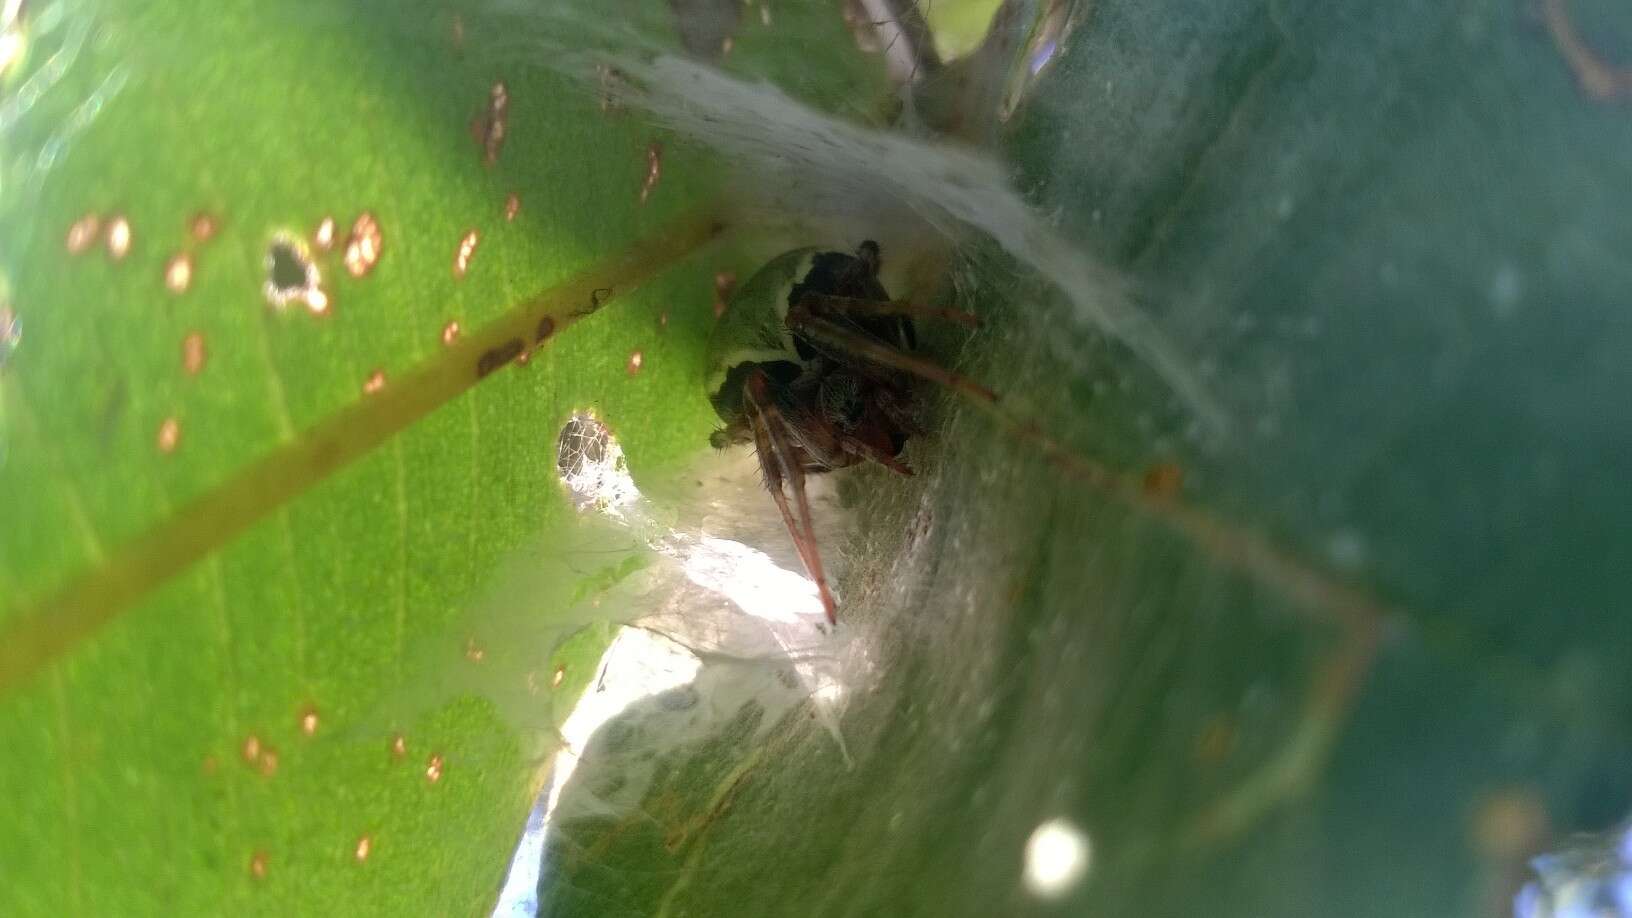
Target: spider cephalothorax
{"points": [[811, 362]]}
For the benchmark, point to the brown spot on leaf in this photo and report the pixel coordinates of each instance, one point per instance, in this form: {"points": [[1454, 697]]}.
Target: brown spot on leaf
{"points": [[654, 170], [499, 356], [169, 436], [119, 238], [323, 236], [178, 273], [490, 127], [193, 353], [82, 234], [1163, 479], [725, 284], [463, 254], [203, 226], [364, 246]]}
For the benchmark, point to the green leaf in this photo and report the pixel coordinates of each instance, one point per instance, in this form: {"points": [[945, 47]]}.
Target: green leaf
{"points": [[238, 537]]}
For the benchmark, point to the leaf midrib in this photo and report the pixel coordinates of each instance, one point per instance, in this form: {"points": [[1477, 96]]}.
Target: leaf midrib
{"points": [[40, 632]]}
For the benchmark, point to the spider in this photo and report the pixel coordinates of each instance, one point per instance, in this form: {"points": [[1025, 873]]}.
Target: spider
{"points": [[812, 363]]}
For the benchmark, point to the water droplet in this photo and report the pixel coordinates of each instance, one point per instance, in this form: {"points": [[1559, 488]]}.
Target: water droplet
{"points": [[1056, 858], [374, 383], [308, 720], [512, 206], [292, 276], [251, 749], [119, 237], [323, 236], [635, 360], [192, 353], [433, 769], [169, 435], [269, 761], [473, 653], [82, 233], [364, 245], [399, 746], [556, 677], [203, 226], [257, 865], [462, 256], [364, 845], [178, 273], [450, 333], [654, 170], [663, 319], [525, 357]]}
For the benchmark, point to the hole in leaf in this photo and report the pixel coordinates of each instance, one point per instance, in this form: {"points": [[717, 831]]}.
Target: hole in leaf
{"points": [[292, 277], [591, 465], [286, 268]]}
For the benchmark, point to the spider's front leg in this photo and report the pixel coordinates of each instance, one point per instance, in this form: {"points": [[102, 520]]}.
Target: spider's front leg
{"points": [[782, 461], [849, 345]]}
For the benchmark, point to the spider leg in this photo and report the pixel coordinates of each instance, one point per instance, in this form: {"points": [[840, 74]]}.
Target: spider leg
{"points": [[870, 440], [780, 465], [829, 335], [896, 411]]}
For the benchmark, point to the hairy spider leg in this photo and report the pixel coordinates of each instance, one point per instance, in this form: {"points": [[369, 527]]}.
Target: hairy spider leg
{"points": [[891, 405], [780, 465], [829, 336]]}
